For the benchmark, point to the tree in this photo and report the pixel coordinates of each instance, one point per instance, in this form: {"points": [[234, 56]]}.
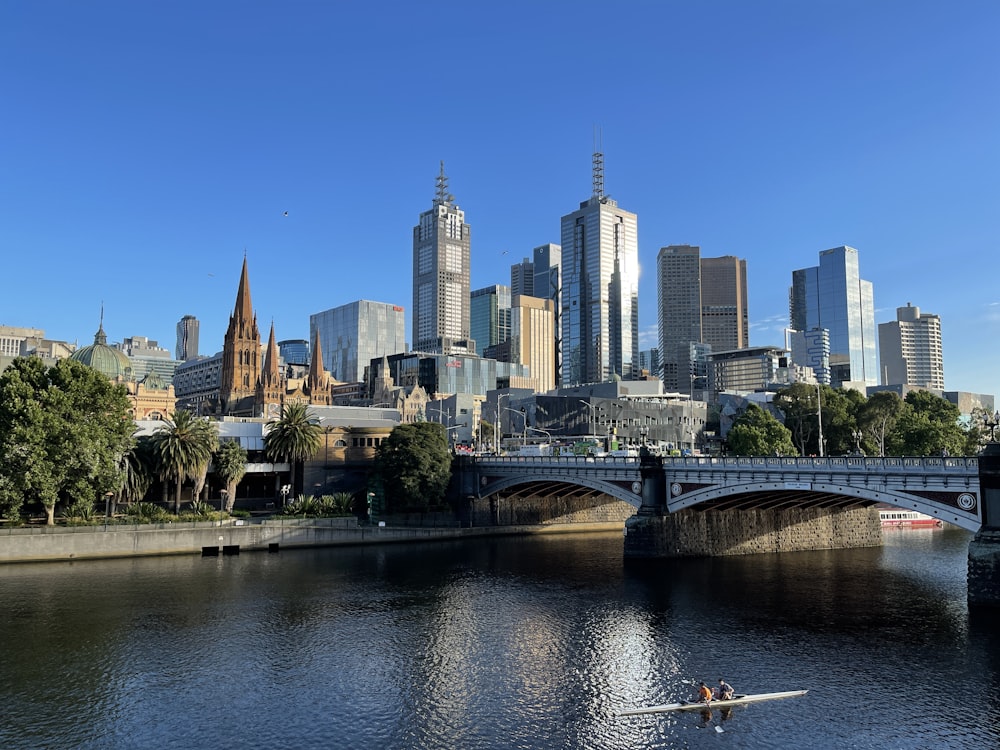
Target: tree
{"points": [[230, 463], [877, 418], [414, 465], [797, 403], [294, 437], [138, 465], [757, 433], [63, 432], [928, 426], [184, 446]]}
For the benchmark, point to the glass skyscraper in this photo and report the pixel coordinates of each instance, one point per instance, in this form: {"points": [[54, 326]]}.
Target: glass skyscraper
{"points": [[441, 250], [352, 335], [599, 313], [833, 296], [490, 316]]}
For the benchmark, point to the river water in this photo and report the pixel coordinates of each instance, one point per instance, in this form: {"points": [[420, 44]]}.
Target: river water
{"points": [[517, 642]]}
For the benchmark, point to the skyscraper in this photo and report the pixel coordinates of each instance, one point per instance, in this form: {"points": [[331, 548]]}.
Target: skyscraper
{"points": [[490, 316], [910, 351], [533, 340], [187, 338], [441, 251], [700, 301], [724, 310], [833, 295], [678, 305], [600, 289], [522, 278], [354, 334]]}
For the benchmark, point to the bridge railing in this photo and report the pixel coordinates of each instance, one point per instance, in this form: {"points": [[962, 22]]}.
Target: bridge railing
{"points": [[880, 464]]}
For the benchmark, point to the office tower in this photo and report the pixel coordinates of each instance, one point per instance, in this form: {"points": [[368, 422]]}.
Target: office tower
{"points": [[294, 352], [147, 356], [187, 338], [910, 351], [678, 306], [833, 295], [600, 289], [522, 279], [725, 316], [700, 300], [354, 334], [533, 339], [811, 349], [489, 316], [441, 250], [649, 360]]}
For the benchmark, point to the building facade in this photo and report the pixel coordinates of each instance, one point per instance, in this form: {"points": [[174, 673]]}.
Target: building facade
{"points": [[441, 287], [678, 306], [187, 338], [532, 339], [811, 349], [725, 314], [599, 314], [910, 349], [356, 333], [522, 278], [294, 352], [489, 321], [833, 295]]}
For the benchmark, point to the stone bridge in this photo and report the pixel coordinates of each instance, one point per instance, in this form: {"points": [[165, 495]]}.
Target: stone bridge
{"points": [[942, 487]]}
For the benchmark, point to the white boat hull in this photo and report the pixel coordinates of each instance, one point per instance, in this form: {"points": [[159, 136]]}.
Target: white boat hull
{"points": [[700, 705]]}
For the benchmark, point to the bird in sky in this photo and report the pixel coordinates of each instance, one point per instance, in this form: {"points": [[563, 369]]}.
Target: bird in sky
{"points": [[286, 213]]}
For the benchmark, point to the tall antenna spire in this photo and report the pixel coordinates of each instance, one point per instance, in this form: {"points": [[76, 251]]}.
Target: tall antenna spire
{"points": [[441, 196], [598, 164]]}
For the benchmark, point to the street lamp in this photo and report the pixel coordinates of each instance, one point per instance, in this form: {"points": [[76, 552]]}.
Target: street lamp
{"points": [[497, 432], [524, 423], [857, 435], [819, 418], [592, 424], [991, 424], [285, 489]]}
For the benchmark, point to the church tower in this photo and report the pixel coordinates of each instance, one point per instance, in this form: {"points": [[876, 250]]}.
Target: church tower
{"points": [[318, 383], [240, 356], [270, 389]]}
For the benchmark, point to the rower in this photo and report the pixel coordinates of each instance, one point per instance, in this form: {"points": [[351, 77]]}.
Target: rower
{"points": [[725, 691], [704, 693]]}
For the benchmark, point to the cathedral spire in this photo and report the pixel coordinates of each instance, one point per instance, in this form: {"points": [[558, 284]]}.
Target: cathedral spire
{"points": [[244, 307], [270, 375], [316, 370]]}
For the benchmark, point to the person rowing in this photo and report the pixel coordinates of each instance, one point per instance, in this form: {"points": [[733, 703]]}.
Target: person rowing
{"points": [[704, 693], [725, 691]]}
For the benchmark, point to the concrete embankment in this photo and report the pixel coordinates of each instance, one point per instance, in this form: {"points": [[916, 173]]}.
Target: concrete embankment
{"points": [[234, 536]]}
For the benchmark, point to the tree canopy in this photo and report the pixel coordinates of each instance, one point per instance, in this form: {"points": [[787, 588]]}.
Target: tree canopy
{"points": [[756, 432], [414, 465], [63, 432], [183, 448], [295, 437]]}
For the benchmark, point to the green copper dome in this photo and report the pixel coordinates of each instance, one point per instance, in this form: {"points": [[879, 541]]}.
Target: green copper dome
{"points": [[103, 358]]}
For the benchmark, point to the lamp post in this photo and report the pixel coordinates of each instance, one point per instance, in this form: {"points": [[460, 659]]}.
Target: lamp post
{"points": [[524, 423], [991, 424], [857, 435], [285, 489], [819, 418], [497, 432], [592, 424]]}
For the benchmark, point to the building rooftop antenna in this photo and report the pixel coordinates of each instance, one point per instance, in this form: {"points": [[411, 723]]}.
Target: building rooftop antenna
{"points": [[598, 164], [442, 196]]}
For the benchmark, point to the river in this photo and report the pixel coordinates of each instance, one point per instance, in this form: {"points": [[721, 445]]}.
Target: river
{"points": [[515, 642]]}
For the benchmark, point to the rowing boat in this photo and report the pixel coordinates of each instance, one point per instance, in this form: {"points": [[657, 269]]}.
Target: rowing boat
{"points": [[696, 705]]}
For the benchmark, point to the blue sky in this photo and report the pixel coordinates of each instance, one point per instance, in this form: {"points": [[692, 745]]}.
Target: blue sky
{"points": [[144, 147]]}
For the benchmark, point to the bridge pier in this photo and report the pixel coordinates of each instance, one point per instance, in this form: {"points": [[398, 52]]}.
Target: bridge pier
{"points": [[984, 549]]}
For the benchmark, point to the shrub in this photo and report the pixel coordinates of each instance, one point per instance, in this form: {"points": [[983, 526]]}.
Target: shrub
{"points": [[147, 513]]}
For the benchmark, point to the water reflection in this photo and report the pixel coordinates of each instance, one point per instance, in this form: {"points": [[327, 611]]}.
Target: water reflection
{"points": [[529, 643]]}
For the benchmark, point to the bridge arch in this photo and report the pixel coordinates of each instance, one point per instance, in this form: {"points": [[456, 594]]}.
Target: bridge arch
{"points": [[598, 485]]}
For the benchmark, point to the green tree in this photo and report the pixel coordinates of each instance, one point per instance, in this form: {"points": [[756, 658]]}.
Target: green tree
{"points": [[414, 466], [138, 465], [183, 447], [797, 403], [63, 432], [230, 463], [757, 433], [877, 418], [295, 437], [928, 426]]}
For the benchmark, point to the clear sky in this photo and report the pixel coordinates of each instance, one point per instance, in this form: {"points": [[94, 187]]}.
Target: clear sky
{"points": [[145, 147]]}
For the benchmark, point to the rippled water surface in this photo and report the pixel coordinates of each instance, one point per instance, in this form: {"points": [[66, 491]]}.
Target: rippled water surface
{"points": [[498, 643]]}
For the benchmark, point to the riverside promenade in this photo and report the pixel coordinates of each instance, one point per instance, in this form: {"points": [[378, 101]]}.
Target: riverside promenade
{"points": [[233, 536]]}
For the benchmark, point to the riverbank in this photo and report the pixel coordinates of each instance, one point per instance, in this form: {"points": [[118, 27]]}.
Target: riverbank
{"points": [[233, 536]]}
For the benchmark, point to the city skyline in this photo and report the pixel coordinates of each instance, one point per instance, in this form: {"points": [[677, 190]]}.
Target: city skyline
{"points": [[145, 155]]}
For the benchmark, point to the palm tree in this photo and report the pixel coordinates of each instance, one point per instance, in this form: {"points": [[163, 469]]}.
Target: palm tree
{"points": [[230, 463], [293, 438], [137, 465], [184, 446]]}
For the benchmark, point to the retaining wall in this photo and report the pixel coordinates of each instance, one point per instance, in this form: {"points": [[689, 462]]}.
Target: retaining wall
{"points": [[691, 533]]}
